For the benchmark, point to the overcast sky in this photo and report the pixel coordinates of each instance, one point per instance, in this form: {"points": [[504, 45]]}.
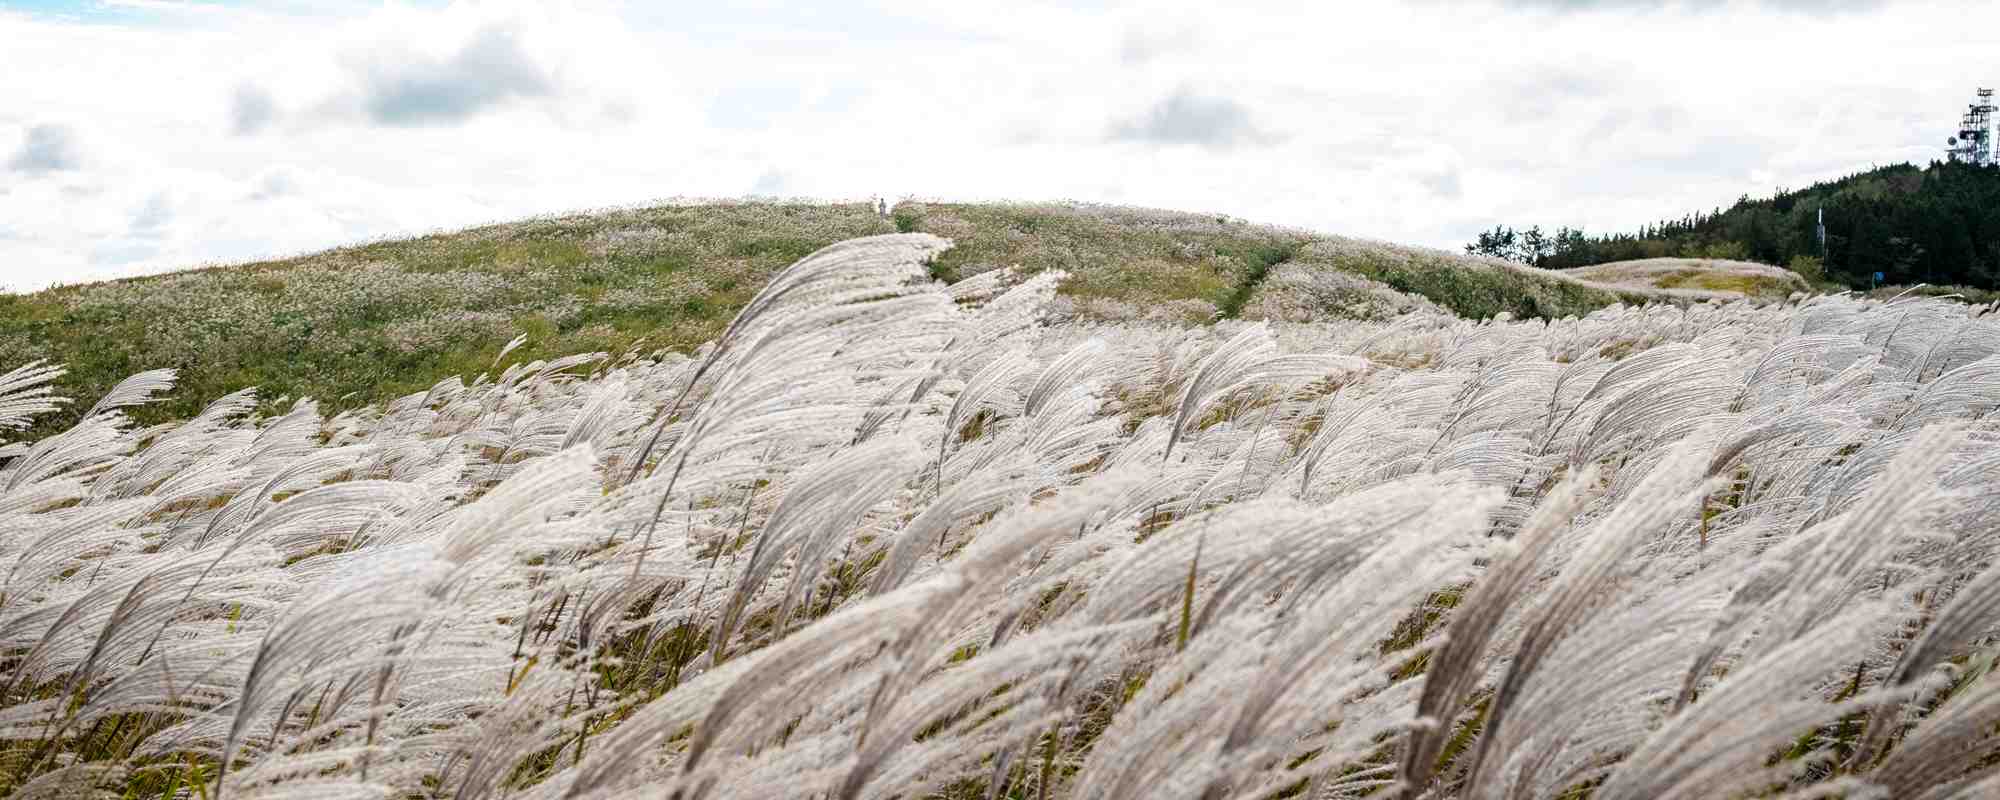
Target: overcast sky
{"points": [[148, 135]]}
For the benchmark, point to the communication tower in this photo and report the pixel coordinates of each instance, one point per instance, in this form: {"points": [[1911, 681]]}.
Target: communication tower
{"points": [[1974, 143]]}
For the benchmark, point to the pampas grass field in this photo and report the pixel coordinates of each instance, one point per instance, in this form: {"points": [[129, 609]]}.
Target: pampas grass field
{"points": [[890, 537]]}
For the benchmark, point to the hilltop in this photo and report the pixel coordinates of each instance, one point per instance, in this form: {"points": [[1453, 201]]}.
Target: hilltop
{"points": [[366, 323]]}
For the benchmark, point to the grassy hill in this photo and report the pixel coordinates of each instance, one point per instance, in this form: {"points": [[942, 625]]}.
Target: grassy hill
{"points": [[365, 323], [1085, 561], [1747, 277]]}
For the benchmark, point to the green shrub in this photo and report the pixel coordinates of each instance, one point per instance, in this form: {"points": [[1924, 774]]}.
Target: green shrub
{"points": [[1810, 268]]}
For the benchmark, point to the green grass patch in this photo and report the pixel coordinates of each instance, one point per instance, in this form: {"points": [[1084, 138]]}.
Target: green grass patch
{"points": [[1718, 281], [1468, 288]]}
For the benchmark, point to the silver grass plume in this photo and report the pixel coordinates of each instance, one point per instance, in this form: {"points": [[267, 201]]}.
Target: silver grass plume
{"points": [[1454, 667], [855, 273], [25, 394], [136, 390], [1582, 587], [1246, 359]]}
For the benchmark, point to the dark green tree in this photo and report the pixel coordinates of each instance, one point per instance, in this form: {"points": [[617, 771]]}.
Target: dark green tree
{"points": [[1937, 224]]}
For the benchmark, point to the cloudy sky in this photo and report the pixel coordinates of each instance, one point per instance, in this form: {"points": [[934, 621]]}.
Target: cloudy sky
{"points": [[145, 135]]}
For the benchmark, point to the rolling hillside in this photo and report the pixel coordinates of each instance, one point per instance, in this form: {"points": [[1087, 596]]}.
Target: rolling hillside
{"points": [[887, 539], [366, 323]]}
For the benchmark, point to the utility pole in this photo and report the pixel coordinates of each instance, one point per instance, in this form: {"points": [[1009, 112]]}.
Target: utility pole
{"points": [[1822, 234]]}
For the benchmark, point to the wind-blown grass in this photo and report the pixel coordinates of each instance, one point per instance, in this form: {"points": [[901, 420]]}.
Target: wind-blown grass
{"points": [[365, 324], [888, 537]]}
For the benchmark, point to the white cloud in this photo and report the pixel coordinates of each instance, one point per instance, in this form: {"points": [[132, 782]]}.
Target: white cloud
{"points": [[1799, 6], [48, 147], [403, 88], [1188, 117], [751, 107], [1151, 42], [1420, 122], [251, 109]]}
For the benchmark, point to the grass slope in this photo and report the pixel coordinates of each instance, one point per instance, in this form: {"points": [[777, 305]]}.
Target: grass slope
{"points": [[895, 541], [1716, 275], [361, 324]]}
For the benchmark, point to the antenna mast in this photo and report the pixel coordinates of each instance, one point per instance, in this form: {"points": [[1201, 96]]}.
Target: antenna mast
{"points": [[1974, 143]]}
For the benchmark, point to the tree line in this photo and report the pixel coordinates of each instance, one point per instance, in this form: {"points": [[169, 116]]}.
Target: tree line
{"points": [[1938, 224]]}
